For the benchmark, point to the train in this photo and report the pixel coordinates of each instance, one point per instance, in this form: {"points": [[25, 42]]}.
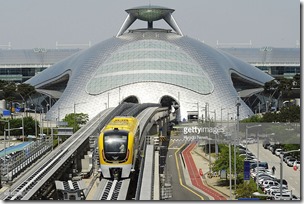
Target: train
{"points": [[118, 144]]}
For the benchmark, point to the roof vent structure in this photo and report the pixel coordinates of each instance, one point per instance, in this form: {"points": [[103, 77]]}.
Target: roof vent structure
{"points": [[149, 14]]}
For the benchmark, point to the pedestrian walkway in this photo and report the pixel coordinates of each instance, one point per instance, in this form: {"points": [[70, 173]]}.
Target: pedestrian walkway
{"points": [[202, 162]]}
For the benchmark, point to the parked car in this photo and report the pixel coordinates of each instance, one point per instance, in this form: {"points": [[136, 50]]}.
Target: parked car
{"points": [[290, 162], [266, 143], [272, 183], [272, 189], [260, 174], [264, 178], [278, 151], [284, 182], [260, 171], [295, 197], [240, 146], [286, 157], [285, 196], [268, 183], [297, 164], [261, 164], [270, 147]]}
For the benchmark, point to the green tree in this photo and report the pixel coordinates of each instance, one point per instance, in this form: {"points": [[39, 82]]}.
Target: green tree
{"points": [[29, 126], [252, 119], [24, 90], [76, 120], [222, 163], [245, 190], [296, 81]]}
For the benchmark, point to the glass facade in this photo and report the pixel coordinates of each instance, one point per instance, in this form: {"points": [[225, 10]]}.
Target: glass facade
{"points": [[149, 61]]}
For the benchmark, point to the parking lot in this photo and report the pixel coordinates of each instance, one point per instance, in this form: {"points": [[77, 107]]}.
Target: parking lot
{"points": [[289, 174]]}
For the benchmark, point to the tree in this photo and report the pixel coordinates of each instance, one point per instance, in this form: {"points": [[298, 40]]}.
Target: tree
{"points": [[296, 81], [76, 119], [29, 126], [245, 190], [10, 91], [25, 90], [222, 163]]}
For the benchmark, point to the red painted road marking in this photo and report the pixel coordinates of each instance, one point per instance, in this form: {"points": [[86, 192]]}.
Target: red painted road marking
{"points": [[194, 174]]}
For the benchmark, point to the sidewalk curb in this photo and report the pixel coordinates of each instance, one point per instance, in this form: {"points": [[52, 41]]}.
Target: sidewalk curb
{"points": [[205, 180]]}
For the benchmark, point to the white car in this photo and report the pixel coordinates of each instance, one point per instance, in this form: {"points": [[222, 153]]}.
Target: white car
{"points": [[278, 151], [267, 184], [264, 178], [260, 174], [297, 164], [273, 189], [290, 162], [285, 196], [266, 171]]}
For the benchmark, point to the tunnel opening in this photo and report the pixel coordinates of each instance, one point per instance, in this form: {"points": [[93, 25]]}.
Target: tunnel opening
{"points": [[131, 99], [172, 104]]}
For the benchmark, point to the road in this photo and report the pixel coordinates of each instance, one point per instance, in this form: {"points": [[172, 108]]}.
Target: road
{"points": [[179, 192], [289, 174]]}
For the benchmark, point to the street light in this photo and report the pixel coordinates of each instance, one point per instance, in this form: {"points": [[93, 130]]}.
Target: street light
{"points": [[238, 104], [215, 136], [75, 113], [228, 134], [222, 116], [248, 127]]}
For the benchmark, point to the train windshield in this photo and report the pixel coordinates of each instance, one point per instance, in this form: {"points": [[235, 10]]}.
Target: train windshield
{"points": [[115, 146]]}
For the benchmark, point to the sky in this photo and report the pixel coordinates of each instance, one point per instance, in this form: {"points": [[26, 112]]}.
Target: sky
{"points": [[28, 24]]}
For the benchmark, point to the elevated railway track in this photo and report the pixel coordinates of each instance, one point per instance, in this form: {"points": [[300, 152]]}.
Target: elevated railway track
{"points": [[32, 184]]}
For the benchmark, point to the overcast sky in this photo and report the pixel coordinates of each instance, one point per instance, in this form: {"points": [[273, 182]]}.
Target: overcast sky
{"points": [[40, 23]]}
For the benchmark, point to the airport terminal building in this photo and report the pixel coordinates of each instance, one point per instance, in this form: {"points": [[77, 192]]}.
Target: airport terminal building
{"points": [[150, 65]]}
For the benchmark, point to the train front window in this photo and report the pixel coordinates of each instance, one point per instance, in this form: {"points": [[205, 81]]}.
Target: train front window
{"points": [[115, 146]]}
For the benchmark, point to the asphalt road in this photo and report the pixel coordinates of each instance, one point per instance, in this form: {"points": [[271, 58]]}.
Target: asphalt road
{"points": [[179, 192], [289, 174]]}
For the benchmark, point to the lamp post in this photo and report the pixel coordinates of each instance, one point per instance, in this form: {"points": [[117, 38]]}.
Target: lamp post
{"points": [[119, 95], [248, 127], [7, 121], [197, 103], [108, 99], [281, 168], [222, 116], [215, 136], [74, 107], [238, 104], [35, 121], [230, 186], [209, 139], [23, 122]]}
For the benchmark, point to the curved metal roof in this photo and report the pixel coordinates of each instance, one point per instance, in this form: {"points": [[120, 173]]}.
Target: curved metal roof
{"points": [[125, 63]]}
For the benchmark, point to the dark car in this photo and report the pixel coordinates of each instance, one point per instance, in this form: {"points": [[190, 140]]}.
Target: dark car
{"points": [[284, 182], [266, 144], [261, 164]]}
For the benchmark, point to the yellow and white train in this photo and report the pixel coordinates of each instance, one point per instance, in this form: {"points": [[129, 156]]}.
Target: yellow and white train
{"points": [[118, 145]]}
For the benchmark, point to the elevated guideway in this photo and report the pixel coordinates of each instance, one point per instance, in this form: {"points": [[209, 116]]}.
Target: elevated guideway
{"points": [[27, 185], [36, 181], [147, 116]]}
